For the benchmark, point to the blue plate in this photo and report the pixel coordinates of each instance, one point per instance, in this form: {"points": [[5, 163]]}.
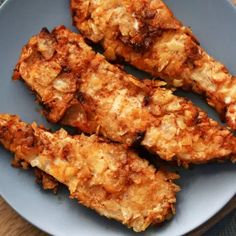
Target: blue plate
{"points": [[205, 189]]}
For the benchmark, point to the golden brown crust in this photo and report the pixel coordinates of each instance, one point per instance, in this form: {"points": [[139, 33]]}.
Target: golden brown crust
{"points": [[103, 176], [46, 71], [118, 106], [46, 181], [147, 35]]}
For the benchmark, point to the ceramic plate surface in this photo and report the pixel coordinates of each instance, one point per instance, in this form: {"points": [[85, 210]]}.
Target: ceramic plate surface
{"points": [[205, 189]]}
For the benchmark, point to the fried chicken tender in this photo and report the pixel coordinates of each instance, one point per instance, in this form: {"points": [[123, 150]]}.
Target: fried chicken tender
{"points": [[146, 34], [80, 88], [100, 175]]}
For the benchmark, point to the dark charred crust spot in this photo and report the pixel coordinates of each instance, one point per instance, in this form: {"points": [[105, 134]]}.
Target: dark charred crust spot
{"points": [[124, 39], [3, 131], [38, 98], [18, 163], [66, 69], [139, 138], [119, 60], [223, 114], [73, 13], [16, 74], [65, 152], [137, 46], [147, 43], [144, 40], [46, 111], [120, 66], [152, 34], [148, 30], [46, 181], [196, 118], [149, 14], [146, 100], [80, 97], [45, 30], [194, 54], [46, 107]]}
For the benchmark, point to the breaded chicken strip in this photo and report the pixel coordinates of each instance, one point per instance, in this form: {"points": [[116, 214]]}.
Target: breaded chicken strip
{"points": [[100, 175], [80, 88], [146, 34]]}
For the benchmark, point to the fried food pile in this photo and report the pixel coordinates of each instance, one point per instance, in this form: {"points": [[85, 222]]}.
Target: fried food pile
{"points": [[146, 34], [78, 87], [100, 175], [117, 113]]}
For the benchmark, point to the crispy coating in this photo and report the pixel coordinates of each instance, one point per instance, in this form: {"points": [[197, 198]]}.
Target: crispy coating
{"points": [[103, 176], [46, 181], [116, 105], [146, 34]]}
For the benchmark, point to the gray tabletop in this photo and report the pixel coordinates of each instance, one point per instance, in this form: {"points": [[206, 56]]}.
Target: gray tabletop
{"points": [[226, 227]]}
